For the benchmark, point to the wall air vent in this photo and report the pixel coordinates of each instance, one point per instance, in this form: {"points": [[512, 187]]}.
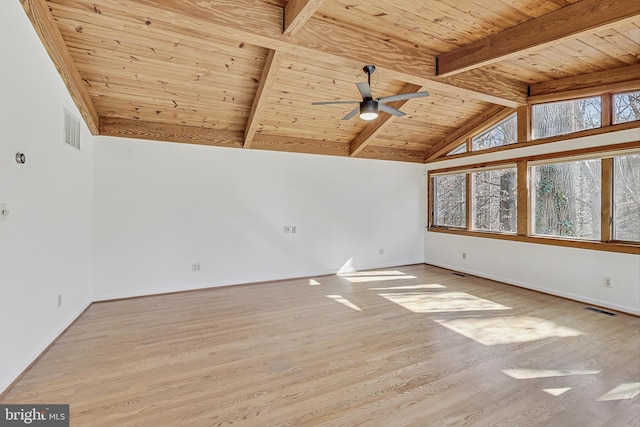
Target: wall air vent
{"points": [[71, 130]]}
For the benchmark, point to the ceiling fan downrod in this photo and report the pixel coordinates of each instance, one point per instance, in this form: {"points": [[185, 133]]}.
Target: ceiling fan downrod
{"points": [[369, 69]]}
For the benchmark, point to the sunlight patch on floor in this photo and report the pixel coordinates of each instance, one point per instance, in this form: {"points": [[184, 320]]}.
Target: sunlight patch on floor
{"points": [[622, 392], [344, 301], [556, 391], [507, 329], [374, 276], [374, 273], [442, 302], [313, 282], [528, 374], [410, 287]]}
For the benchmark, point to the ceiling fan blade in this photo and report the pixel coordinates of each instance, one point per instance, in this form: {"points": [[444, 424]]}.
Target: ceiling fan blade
{"points": [[390, 110], [403, 96], [334, 102], [365, 90], [351, 113]]}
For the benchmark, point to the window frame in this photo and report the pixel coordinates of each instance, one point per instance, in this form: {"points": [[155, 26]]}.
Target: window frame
{"points": [[603, 106], [525, 128], [524, 215], [513, 116], [613, 106], [533, 200], [611, 222], [472, 201], [433, 206]]}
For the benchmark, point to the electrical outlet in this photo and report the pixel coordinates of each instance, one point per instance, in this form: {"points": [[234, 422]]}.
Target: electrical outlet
{"points": [[195, 267], [59, 300], [606, 282], [293, 229], [464, 255], [287, 229]]}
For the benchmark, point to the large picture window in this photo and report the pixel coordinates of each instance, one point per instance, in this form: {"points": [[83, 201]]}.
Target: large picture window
{"points": [[494, 200], [626, 198], [582, 198], [567, 199], [450, 200]]}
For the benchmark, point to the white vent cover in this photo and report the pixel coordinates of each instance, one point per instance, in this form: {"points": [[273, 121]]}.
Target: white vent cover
{"points": [[71, 130]]}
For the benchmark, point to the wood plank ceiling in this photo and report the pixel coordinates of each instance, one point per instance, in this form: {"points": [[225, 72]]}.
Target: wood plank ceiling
{"points": [[243, 73]]}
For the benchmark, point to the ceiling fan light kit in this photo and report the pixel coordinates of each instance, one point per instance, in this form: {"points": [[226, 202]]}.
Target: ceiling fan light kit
{"points": [[369, 106], [368, 110]]}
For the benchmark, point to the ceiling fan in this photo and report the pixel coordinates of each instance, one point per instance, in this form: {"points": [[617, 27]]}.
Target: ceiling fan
{"points": [[369, 107]]}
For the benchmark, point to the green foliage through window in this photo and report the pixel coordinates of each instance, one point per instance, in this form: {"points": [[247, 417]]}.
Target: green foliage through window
{"points": [[567, 199]]}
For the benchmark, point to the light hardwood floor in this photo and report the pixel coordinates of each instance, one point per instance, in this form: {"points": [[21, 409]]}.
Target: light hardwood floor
{"points": [[407, 346]]}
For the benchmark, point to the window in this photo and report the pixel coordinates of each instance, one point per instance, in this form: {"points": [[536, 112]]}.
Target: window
{"points": [[626, 107], [559, 118], [504, 133], [550, 200], [459, 150], [567, 199], [494, 200], [626, 198], [450, 200]]}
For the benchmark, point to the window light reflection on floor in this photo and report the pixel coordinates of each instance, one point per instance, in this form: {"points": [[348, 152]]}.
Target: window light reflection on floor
{"points": [[428, 302], [410, 287], [622, 392], [507, 329], [556, 391], [529, 374], [344, 301], [375, 276]]}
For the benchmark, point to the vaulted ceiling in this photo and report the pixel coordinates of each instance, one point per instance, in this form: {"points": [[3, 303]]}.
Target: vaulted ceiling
{"points": [[243, 73]]}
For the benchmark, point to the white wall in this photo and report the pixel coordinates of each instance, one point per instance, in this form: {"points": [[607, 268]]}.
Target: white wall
{"points": [[173, 205], [567, 272], [45, 245]]}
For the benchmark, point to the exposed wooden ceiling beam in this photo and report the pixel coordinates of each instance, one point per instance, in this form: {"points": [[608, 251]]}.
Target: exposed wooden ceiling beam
{"points": [[274, 59], [483, 121], [569, 22], [374, 128], [391, 153], [46, 28], [300, 145], [296, 13], [326, 41], [128, 128], [624, 78]]}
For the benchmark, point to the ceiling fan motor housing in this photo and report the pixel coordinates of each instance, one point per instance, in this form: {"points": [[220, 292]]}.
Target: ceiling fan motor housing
{"points": [[368, 109]]}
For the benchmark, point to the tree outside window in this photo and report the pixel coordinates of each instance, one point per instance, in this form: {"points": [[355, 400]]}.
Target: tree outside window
{"points": [[450, 200]]}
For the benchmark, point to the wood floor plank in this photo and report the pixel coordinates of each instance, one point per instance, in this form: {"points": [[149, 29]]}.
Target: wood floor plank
{"points": [[408, 346]]}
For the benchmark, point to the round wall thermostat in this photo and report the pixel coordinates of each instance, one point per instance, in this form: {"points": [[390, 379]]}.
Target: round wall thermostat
{"points": [[21, 158]]}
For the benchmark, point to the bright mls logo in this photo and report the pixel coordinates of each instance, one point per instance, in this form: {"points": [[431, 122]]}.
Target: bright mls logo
{"points": [[34, 415]]}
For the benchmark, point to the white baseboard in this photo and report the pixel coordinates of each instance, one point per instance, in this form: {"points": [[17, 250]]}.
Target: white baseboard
{"points": [[550, 291]]}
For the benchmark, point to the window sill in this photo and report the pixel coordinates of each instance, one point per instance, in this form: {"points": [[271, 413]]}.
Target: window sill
{"points": [[627, 248]]}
